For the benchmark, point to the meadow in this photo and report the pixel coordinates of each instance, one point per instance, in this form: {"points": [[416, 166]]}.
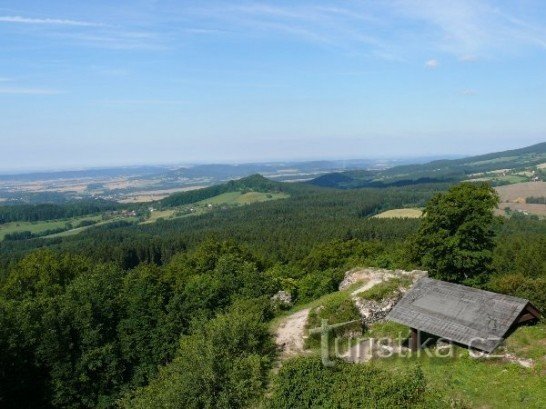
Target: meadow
{"points": [[39, 227]]}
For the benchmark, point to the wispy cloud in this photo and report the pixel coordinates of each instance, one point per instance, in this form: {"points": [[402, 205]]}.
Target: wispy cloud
{"points": [[28, 91], [473, 27], [468, 92], [468, 58], [93, 34], [432, 64], [468, 29], [114, 39], [47, 21], [128, 102]]}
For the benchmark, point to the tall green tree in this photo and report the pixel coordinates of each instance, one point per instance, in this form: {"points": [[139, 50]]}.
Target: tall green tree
{"points": [[456, 238]]}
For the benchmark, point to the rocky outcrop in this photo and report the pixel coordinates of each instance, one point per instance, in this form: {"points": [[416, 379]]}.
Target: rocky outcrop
{"points": [[377, 274], [371, 310], [282, 299]]}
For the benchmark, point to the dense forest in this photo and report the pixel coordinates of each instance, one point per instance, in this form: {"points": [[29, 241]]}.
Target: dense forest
{"points": [[175, 314]]}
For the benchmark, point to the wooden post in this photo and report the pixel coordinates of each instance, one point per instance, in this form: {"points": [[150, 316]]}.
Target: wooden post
{"points": [[414, 341]]}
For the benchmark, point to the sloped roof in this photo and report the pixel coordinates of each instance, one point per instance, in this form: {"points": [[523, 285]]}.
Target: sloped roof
{"points": [[462, 314]]}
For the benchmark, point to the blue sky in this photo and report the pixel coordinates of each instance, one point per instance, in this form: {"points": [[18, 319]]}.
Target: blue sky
{"points": [[100, 83]]}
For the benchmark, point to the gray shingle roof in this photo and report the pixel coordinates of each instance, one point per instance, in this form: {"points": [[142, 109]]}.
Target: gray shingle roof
{"points": [[462, 314]]}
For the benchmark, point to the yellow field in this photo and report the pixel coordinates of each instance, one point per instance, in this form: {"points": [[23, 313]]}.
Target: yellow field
{"points": [[400, 214]]}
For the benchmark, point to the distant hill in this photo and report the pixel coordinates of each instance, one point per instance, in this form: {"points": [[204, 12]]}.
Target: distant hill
{"points": [[253, 183], [132, 171], [440, 171]]}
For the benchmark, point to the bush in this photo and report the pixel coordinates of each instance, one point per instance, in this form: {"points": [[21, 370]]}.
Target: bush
{"points": [[337, 308], [532, 289], [315, 285], [305, 383]]}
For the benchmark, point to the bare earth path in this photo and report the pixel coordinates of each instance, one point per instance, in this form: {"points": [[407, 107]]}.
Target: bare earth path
{"points": [[289, 334]]}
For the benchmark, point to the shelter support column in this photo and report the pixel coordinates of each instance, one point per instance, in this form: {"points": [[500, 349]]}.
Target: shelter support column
{"points": [[414, 340]]}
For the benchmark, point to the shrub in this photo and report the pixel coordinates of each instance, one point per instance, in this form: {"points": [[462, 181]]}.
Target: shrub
{"points": [[519, 285], [315, 285], [305, 383], [337, 308]]}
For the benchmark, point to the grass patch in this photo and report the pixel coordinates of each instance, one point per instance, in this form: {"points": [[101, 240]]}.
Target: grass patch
{"points": [[160, 214], [338, 308], [385, 289], [43, 226], [462, 381], [529, 342], [388, 329], [78, 230], [239, 198]]}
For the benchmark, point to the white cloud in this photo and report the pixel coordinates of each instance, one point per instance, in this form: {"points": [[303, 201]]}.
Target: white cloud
{"points": [[468, 58], [476, 27], [432, 64], [468, 92], [46, 21], [28, 91], [121, 102]]}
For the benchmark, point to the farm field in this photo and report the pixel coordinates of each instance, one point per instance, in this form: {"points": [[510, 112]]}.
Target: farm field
{"points": [[225, 199], [42, 226], [513, 197], [153, 195], [400, 214], [239, 198], [510, 193]]}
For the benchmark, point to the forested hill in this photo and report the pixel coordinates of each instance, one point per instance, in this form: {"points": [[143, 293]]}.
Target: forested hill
{"points": [[253, 183], [438, 171]]}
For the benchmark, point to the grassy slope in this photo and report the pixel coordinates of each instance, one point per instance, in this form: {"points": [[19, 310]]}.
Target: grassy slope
{"points": [[41, 226], [239, 198], [489, 383], [102, 223]]}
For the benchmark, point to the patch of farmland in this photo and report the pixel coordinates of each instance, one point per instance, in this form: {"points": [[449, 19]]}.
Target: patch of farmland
{"points": [[518, 191], [239, 198], [42, 226], [525, 208], [400, 214]]}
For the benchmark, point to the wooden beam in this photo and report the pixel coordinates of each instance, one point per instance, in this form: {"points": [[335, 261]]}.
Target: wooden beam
{"points": [[414, 341], [530, 308], [526, 317]]}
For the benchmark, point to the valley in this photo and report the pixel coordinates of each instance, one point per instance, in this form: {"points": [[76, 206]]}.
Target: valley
{"points": [[149, 289]]}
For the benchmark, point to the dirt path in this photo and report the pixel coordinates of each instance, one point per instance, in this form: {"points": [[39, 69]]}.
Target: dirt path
{"points": [[289, 334], [372, 283]]}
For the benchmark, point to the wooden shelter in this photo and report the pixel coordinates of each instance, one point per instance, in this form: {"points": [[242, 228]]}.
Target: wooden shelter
{"points": [[476, 318]]}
